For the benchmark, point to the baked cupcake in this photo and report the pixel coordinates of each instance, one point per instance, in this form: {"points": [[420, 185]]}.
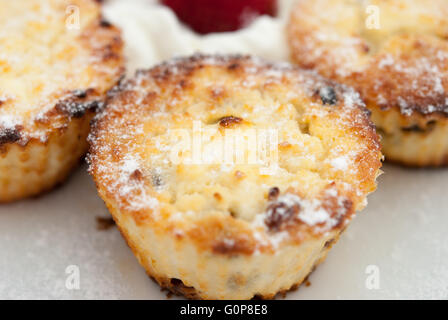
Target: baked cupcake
{"points": [[230, 177], [57, 60], [395, 53]]}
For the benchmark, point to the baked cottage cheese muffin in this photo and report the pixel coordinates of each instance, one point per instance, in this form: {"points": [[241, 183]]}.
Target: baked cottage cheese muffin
{"points": [[395, 53], [214, 217], [57, 59]]}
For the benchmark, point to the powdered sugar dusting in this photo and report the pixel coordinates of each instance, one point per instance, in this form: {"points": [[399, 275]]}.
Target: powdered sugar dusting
{"points": [[133, 191], [401, 65], [320, 214], [43, 59], [9, 121], [417, 83], [143, 110], [340, 163], [312, 212]]}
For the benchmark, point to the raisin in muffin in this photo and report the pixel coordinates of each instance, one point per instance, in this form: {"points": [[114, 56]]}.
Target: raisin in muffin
{"points": [[213, 226], [395, 53], [55, 67]]}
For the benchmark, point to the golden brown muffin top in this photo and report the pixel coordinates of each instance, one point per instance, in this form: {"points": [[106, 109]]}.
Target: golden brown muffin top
{"points": [[394, 52], [327, 152], [57, 59]]}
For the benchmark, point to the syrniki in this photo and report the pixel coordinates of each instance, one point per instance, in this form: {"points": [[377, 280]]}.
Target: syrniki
{"points": [[57, 59], [230, 177]]}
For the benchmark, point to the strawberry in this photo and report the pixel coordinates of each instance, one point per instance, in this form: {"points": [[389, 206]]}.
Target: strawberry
{"points": [[205, 16]]}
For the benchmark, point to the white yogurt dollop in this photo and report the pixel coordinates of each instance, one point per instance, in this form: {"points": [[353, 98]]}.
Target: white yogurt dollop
{"points": [[152, 33]]}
